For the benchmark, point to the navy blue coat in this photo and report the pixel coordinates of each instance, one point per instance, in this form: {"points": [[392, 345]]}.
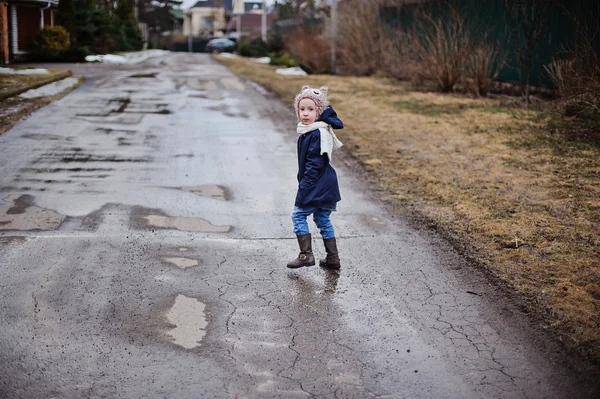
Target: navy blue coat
{"points": [[317, 180]]}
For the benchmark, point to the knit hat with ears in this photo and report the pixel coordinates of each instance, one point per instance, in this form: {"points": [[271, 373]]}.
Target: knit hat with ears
{"points": [[319, 96]]}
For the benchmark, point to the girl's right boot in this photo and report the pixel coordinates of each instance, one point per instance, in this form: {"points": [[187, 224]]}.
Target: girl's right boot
{"points": [[305, 257]]}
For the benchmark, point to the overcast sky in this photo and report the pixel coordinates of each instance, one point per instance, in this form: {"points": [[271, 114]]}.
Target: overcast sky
{"points": [[189, 3]]}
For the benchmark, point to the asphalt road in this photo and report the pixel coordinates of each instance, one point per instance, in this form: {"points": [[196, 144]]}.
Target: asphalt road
{"points": [[144, 231]]}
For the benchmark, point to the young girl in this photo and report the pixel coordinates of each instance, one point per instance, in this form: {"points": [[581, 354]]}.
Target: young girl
{"points": [[318, 191]]}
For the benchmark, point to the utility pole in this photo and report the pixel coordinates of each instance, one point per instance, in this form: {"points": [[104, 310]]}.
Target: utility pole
{"points": [[264, 22], [333, 35], [238, 10], [190, 33]]}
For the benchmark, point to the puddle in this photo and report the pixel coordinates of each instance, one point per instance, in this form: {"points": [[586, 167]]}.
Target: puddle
{"points": [[23, 215], [187, 314], [233, 84], [183, 249], [144, 75], [182, 263], [225, 109], [148, 108], [91, 158], [107, 131], [122, 119], [184, 224], [43, 136], [212, 191]]}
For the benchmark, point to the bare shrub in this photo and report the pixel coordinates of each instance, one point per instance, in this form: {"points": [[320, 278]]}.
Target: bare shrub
{"points": [[399, 60], [311, 47], [577, 78], [360, 38], [483, 65], [442, 45]]}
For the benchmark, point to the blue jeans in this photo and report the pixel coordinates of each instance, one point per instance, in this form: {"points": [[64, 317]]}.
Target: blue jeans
{"points": [[320, 216]]}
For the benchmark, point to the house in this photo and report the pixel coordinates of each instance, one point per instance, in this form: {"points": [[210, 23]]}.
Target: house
{"points": [[212, 18], [255, 7], [250, 24], [20, 21], [207, 18]]}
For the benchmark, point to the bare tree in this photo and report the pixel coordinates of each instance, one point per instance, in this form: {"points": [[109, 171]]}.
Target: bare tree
{"points": [[528, 20]]}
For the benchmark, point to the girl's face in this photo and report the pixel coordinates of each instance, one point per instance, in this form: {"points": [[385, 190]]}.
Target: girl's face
{"points": [[307, 110]]}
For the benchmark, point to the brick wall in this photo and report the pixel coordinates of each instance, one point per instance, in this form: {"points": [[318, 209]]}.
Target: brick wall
{"points": [[4, 38]]}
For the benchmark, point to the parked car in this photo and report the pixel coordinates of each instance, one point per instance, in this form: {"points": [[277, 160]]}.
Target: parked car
{"points": [[219, 45]]}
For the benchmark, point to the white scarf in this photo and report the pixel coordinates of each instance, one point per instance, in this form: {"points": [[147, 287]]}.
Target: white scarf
{"points": [[329, 140]]}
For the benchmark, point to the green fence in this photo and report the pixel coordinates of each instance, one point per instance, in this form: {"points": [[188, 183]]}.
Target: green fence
{"points": [[498, 22]]}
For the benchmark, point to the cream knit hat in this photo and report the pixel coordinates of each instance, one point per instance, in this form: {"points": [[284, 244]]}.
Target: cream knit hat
{"points": [[319, 96]]}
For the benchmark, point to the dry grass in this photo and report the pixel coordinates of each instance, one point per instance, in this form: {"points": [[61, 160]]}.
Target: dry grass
{"points": [[14, 108], [11, 85], [515, 186]]}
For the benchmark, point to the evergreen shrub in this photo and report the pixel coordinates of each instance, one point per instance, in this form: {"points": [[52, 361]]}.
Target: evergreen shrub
{"points": [[51, 43]]}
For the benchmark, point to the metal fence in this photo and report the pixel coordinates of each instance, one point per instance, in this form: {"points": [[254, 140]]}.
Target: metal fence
{"points": [[502, 22]]}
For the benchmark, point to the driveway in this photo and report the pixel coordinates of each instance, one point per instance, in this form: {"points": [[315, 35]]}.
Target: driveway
{"points": [[145, 227]]}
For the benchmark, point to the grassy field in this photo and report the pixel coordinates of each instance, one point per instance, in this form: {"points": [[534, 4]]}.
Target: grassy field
{"points": [[516, 190]]}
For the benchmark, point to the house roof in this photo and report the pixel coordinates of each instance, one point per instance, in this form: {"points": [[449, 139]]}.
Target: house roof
{"points": [[39, 3], [226, 4], [177, 13]]}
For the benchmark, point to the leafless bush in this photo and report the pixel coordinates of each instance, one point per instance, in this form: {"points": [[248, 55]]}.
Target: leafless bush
{"points": [[398, 59], [577, 78], [442, 46], [360, 38], [311, 47], [483, 65]]}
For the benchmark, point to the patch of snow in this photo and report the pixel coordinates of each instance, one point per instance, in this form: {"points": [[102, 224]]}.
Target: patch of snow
{"points": [[32, 71], [262, 60], [127, 58], [51, 89], [228, 55], [294, 71], [107, 59]]}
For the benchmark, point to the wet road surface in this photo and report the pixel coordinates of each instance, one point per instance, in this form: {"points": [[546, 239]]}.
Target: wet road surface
{"points": [[144, 231]]}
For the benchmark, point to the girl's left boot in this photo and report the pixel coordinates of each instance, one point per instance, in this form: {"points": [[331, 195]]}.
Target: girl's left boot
{"points": [[332, 260], [305, 257]]}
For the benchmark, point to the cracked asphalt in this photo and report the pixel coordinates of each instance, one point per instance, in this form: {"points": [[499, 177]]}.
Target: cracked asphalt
{"points": [[144, 231]]}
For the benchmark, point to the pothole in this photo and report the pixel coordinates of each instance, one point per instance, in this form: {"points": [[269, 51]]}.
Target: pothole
{"points": [[144, 218], [212, 191], [182, 263], [187, 314], [184, 224], [23, 215], [13, 239]]}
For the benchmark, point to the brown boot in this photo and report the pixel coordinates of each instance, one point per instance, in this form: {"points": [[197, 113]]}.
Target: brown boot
{"points": [[332, 261], [305, 257]]}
